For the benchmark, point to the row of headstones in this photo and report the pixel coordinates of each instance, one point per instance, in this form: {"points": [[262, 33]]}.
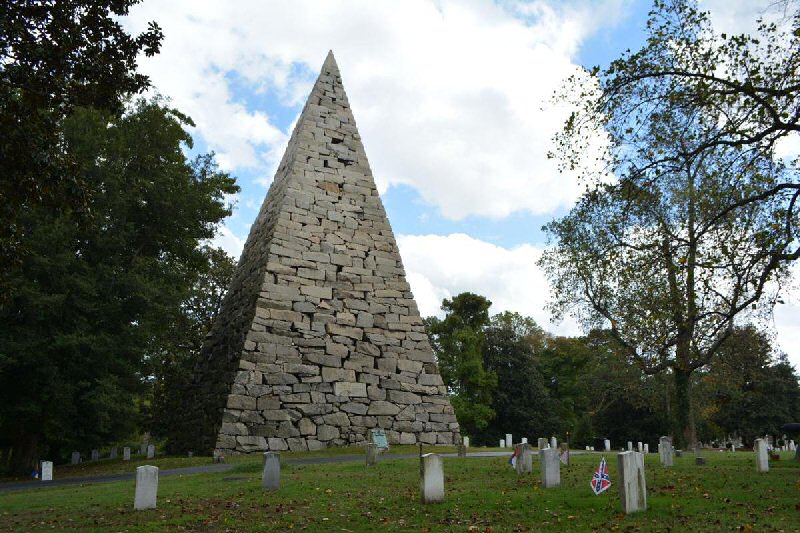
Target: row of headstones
{"points": [[630, 467], [760, 447], [46, 472], [553, 443], [508, 442], [150, 449]]}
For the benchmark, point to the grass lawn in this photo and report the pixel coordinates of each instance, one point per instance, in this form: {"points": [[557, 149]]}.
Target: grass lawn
{"points": [[481, 494]]}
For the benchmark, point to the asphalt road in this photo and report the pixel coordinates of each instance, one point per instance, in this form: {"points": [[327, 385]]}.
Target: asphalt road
{"points": [[204, 469]]}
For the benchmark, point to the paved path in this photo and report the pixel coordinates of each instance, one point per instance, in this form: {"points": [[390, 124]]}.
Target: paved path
{"points": [[205, 469]]}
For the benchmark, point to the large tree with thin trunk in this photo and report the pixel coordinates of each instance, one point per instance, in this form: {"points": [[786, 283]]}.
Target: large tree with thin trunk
{"points": [[696, 225]]}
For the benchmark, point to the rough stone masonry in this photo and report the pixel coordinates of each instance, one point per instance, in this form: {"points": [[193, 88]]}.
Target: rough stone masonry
{"points": [[319, 339]]}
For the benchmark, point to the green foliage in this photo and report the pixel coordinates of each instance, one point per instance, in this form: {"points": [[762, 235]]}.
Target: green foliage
{"points": [[56, 57], [521, 400], [88, 307], [458, 342], [174, 363], [747, 391]]}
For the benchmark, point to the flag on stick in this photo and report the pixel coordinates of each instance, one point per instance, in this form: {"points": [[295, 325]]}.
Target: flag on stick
{"points": [[600, 480], [513, 459]]}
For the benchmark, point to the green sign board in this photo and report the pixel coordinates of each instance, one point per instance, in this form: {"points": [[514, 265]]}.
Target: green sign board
{"points": [[379, 438]]}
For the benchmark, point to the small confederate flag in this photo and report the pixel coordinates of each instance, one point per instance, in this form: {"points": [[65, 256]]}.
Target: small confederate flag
{"points": [[600, 480], [513, 459]]}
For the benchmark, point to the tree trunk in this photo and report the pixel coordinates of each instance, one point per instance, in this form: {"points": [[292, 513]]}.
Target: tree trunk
{"points": [[23, 454], [684, 431]]}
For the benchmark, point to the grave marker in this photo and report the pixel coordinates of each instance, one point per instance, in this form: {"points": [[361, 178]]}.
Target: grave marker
{"points": [[542, 443], [151, 451], [607, 445], [466, 442], [551, 468], [630, 446], [146, 487], [47, 470], [502, 443], [509, 440], [632, 486], [378, 437], [271, 475], [126, 454], [524, 464], [665, 450], [553, 442], [762, 460], [95, 455], [372, 454], [646, 448], [432, 479], [639, 447], [524, 440], [113, 453], [76, 458]]}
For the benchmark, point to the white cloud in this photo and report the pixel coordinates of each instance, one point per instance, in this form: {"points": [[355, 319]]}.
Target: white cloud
{"points": [[228, 241], [440, 267], [450, 96]]}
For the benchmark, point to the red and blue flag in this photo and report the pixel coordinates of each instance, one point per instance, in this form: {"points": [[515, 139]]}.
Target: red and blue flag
{"points": [[601, 481]]}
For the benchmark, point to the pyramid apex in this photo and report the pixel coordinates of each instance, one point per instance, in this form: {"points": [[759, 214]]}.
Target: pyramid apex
{"points": [[330, 61]]}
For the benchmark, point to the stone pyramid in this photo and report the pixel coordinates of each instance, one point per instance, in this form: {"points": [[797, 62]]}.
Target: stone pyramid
{"points": [[319, 339]]}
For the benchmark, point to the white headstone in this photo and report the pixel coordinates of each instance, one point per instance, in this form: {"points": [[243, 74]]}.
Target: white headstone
{"points": [[524, 464], [630, 446], [587, 448], [524, 440], [733, 447], [113, 453], [146, 487], [47, 470], [551, 468], [466, 442], [431, 483], [502, 443], [95, 455], [665, 450], [509, 440], [607, 445], [639, 447], [553, 442], [542, 443], [126, 454], [151, 451], [646, 448], [762, 457], [76, 457], [271, 476], [632, 486]]}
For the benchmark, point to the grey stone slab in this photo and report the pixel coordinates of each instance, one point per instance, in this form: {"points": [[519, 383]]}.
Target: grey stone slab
{"points": [[432, 478], [632, 483], [551, 467], [146, 487], [665, 451], [271, 474], [761, 455]]}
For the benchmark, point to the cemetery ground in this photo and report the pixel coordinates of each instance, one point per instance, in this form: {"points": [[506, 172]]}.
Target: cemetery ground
{"points": [[482, 494]]}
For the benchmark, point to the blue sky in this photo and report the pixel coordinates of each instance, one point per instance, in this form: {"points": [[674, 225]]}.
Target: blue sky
{"points": [[453, 102]]}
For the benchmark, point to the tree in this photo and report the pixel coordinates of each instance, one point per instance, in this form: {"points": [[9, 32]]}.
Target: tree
{"points": [[521, 400], [57, 56], [86, 307], [749, 84], [751, 392], [458, 342], [666, 255], [173, 364]]}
